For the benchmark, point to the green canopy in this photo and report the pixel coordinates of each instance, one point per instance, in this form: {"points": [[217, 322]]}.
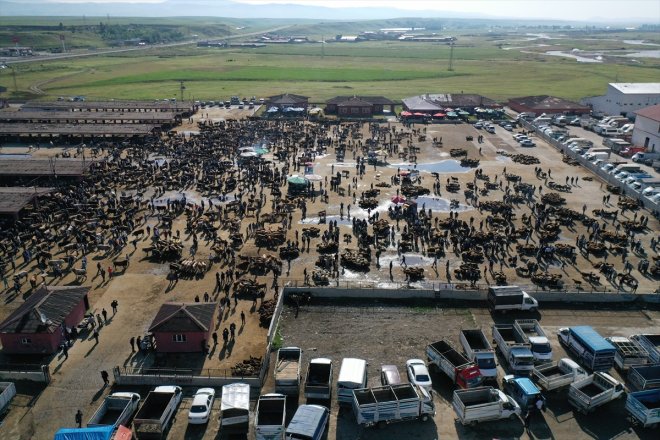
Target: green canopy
{"points": [[297, 180]]}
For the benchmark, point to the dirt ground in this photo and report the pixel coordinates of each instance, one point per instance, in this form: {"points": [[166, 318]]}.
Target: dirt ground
{"points": [[143, 287], [385, 334]]}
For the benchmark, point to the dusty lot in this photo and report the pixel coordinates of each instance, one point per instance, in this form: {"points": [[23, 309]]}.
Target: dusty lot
{"points": [[392, 334]]}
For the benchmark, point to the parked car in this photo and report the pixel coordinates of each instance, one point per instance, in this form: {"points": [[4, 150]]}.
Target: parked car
{"points": [[527, 143], [418, 373], [200, 410], [507, 127], [389, 375]]}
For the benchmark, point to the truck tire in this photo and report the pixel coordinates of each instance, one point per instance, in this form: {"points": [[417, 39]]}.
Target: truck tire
{"points": [[425, 417], [473, 423], [381, 425], [513, 417]]}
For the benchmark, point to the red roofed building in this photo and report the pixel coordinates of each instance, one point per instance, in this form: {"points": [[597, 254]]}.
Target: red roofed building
{"points": [[647, 129], [183, 328], [549, 105], [36, 327]]}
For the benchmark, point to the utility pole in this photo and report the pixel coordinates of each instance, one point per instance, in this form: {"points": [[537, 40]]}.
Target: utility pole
{"points": [[181, 89], [451, 57], [62, 38], [322, 47]]}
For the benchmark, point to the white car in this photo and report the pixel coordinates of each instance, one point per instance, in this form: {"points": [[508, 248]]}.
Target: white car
{"points": [[518, 136], [200, 410], [655, 198], [607, 167], [507, 127], [523, 138], [418, 374], [527, 143]]}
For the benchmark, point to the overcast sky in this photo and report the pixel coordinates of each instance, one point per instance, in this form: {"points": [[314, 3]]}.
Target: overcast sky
{"points": [[605, 10]]}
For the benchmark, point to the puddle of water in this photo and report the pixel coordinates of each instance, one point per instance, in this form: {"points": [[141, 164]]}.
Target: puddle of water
{"points": [[578, 58], [439, 204], [315, 220], [644, 54], [442, 167], [15, 156], [411, 260]]}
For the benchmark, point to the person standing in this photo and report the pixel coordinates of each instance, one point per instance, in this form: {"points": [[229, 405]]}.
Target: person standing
{"points": [[105, 376], [132, 341], [96, 335], [79, 418], [114, 304], [242, 317], [105, 315]]}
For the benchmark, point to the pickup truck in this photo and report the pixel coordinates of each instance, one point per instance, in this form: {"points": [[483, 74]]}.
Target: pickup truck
{"points": [[650, 343], [644, 407], [483, 404], [628, 353], [461, 371], [593, 391], [514, 349], [318, 383], [523, 391], [269, 420], [287, 370], [116, 409], [7, 392], [390, 404], [557, 375], [531, 332], [478, 350], [644, 377], [157, 411]]}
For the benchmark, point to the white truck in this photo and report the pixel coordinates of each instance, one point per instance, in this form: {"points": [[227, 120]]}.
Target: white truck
{"points": [[644, 407], [270, 417], [478, 350], [235, 406], [7, 392], [593, 391], [116, 409], [504, 298], [392, 403], [557, 375], [154, 416], [628, 353], [531, 332], [287, 370], [318, 383], [650, 343], [514, 349], [484, 404]]}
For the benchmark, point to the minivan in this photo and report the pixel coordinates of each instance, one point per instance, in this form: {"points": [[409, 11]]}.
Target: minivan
{"points": [[352, 375], [610, 131]]}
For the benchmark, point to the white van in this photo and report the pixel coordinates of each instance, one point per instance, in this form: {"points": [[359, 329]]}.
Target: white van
{"points": [[352, 376], [610, 131]]}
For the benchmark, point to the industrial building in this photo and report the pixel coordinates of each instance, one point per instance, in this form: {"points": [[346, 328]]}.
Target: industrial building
{"points": [[550, 105], [624, 99], [432, 103], [647, 129], [358, 105]]}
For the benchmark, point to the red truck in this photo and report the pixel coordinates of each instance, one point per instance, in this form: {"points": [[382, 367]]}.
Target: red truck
{"points": [[462, 372]]}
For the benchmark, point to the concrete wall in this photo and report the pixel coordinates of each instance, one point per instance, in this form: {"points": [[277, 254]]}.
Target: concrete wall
{"points": [[42, 376]]}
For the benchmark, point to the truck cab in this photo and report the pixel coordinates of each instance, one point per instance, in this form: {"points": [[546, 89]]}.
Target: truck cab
{"points": [[308, 423], [523, 391]]}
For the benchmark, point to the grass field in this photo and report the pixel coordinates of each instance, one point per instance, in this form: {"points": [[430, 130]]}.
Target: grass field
{"points": [[393, 69]]}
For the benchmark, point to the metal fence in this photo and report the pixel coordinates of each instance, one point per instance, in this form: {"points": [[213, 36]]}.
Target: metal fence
{"points": [[182, 372]]}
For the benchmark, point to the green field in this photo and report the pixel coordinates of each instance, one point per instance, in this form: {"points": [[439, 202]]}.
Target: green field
{"points": [[488, 64]]}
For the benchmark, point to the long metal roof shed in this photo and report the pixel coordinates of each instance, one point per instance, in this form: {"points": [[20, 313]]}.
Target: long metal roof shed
{"points": [[31, 116], [45, 167], [13, 199], [108, 130], [111, 106]]}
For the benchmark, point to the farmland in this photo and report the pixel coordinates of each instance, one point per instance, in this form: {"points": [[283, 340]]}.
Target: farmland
{"points": [[502, 65]]}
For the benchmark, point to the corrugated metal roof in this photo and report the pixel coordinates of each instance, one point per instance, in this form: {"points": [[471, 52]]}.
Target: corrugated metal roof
{"points": [[590, 337], [172, 317], [526, 385], [306, 420], [637, 88]]}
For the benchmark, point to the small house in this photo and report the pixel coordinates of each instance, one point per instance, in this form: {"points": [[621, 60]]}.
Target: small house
{"points": [[38, 325], [287, 100], [183, 328]]}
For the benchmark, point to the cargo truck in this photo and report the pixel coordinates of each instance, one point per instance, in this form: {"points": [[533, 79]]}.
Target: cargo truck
{"points": [[532, 332], [590, 348], [270, 416], [644, 407], [7, 392], [154, 416], [116, 409], [644, 377], [287, 370], [462, 372], [392, 403], [628, 353], [650, 343], [515, 351], [504, 298], [593, 391], [484, 404], [318, 383], [557, 375], [235, 406], [478, 350]]}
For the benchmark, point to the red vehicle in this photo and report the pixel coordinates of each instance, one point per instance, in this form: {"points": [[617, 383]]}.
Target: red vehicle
{"points": [[631, 151]]}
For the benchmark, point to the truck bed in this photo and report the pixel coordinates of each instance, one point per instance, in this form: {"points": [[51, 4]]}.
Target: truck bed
{"points": [[271, 412], [154, 406], [552, 373], [476, 340], [287, 370], [110, 416], [591, 390]]}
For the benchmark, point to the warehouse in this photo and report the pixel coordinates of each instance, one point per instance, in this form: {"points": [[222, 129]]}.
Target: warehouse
{"points": [[624, 99], [647, 129], [358, 105], [433, 103]]}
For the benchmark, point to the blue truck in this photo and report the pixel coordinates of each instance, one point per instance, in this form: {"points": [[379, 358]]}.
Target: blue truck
{"points": [[590, 349]]}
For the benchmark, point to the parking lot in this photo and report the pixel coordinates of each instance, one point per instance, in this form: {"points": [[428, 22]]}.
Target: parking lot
{"points": [[383, 334]]}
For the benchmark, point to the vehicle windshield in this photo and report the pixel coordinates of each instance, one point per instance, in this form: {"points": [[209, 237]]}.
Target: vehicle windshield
{"points": [[541, 348], [197, 409], [422, 378], [486, 364]]}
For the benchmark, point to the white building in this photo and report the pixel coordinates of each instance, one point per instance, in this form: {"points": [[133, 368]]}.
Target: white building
{"points": [[624, 99], [647, 129]]}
